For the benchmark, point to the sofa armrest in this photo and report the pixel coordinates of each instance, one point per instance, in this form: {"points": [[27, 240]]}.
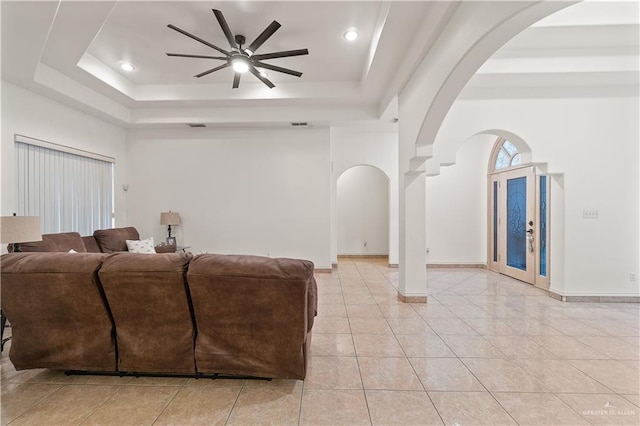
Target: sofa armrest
{"points": [[59, 242], [165, 248]]}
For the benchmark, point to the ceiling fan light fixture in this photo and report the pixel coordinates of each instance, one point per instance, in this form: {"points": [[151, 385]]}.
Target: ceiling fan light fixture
{"points": [[351, 35], [248, 52], [240, 64]]}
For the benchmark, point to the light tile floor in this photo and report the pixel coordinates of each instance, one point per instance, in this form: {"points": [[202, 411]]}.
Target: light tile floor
{"points": [[485, 350]]}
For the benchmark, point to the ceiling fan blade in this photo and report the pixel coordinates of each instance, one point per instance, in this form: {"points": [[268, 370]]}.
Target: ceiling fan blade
{"points": [[268, 32], [236, 80], [225, 28], [283, 54], [255, 72], [196, 38], [278, 69], [185, 55], [228, 64]]}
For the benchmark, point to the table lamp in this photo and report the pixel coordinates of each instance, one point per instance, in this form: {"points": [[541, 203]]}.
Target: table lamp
{"points": [[18, 229], [170, 219]]}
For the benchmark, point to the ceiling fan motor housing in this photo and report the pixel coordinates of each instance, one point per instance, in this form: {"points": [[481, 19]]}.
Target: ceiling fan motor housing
{"points": [[240, 40]]}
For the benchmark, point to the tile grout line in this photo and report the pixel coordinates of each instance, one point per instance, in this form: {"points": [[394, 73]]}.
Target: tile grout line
{"points": [[235, 402], [364, 393], [36, 404], [301, 398], [100, 405], [167, 404]]}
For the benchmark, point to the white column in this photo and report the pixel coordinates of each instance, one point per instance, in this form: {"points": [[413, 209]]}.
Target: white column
{"points": [[412, 263], [412, 286]]}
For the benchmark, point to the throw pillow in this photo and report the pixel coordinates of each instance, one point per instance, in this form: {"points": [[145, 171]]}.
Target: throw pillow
{"points": [[112, 240], [72, 251], [141, 246]]}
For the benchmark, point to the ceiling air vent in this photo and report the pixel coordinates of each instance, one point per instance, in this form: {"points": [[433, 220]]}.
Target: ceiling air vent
{"points": [[300, 124], [196, 125]]}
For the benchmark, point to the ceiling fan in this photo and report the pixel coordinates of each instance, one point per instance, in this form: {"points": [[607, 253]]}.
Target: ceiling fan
{"points": [[240, 58]]}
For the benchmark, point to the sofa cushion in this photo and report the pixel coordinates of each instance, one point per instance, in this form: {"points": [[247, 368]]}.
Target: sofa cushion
{"points": [[66, 241], [149, 301], [56, 307], [114, 240], [90, 244], [252, 314], [61, 242]]}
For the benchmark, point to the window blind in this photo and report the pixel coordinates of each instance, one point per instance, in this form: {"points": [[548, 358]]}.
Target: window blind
{"points": [[70, 190]]}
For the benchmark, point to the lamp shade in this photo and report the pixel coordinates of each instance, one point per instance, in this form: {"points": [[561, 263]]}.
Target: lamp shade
{"points": [[20, 229], [169, 218]]}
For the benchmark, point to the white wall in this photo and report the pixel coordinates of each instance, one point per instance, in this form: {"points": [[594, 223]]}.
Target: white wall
{"points": [[30, 114], [593, 145], [352, 147], [261, 192], [363, 212], [456, 214]]}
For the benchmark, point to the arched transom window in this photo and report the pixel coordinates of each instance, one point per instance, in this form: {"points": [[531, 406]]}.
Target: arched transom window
{"points": [[508, 156]]}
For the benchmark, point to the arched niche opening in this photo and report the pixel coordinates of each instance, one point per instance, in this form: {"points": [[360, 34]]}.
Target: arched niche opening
{"points": [[363, 212]]}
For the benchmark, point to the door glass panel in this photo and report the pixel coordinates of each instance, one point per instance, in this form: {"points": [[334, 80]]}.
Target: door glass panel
{"points": [[543, 226], [516, 223], [495, 221]]}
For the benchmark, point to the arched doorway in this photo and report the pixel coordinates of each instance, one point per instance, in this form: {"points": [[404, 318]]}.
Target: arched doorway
{"points": [[363, 212], [518, 211]]}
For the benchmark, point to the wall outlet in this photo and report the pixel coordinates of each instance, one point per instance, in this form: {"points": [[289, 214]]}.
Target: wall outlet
{"points": [[632, 277], [590, 214]]}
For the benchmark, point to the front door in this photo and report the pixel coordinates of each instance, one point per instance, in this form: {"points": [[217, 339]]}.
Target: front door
{"points": [[517, 224], [518, 232]]}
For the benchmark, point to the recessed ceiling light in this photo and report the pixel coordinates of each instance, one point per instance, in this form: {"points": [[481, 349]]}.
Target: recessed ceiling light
{"points": [[350, 35], [126, 66]]}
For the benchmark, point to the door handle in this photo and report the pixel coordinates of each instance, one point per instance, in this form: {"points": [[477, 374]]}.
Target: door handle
{"points": [[530, 239]]}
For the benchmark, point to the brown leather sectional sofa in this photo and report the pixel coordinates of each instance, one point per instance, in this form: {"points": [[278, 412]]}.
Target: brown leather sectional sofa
{"points": [[102, 241], [173, 313]]}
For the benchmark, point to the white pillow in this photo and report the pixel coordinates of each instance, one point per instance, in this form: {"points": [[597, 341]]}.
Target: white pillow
{"points": [[141, 246], [72, 251]]}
